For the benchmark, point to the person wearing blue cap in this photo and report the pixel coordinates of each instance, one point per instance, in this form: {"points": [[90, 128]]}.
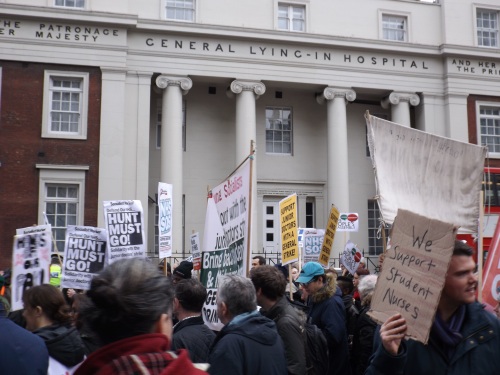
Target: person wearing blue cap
{"points": [[327, 312]]}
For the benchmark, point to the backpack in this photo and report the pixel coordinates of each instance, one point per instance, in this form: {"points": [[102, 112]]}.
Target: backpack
{"points": [[315, 343], [316, 350]]}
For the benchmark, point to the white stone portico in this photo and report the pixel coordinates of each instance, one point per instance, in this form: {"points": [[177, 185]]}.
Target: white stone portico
{"points": [[213, 79]]}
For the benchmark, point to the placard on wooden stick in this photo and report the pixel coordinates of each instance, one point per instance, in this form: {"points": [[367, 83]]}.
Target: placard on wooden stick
{"points": [[414, 272]]}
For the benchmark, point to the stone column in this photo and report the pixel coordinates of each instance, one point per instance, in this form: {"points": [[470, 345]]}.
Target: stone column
{"points": [[171, 147], [247, 92], [337, 161], [400, 106], [337, 151], [246, 129]]}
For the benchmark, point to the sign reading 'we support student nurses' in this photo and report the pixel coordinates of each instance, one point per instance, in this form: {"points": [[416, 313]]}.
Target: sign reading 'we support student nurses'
{"points": [[125, 227], [414, 272]]}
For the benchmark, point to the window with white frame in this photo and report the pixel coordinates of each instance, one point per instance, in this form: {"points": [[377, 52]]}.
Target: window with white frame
{"points": [[489, 126], [279, 130], [78, 4], [487, 27], [375, 240], [61, 198], [158, 125], [291, 17], [180, 10], [65, 105], [395, 27]]}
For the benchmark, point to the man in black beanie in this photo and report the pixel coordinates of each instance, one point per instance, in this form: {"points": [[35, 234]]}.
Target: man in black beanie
{"points": [[182, 271]]}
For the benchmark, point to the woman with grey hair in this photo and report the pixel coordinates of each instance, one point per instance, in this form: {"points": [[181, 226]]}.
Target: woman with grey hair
{"points": [[130, 310], [365, 327]]}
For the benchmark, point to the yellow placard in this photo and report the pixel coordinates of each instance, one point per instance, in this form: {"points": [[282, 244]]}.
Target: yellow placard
{"points": [[288, 224], [331, 228]]}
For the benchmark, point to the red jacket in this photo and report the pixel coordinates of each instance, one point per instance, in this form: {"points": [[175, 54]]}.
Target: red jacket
{"points": [[143, 354]]}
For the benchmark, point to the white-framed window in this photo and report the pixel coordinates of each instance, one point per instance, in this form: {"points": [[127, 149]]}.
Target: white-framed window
{"points": [[394, 27], [375, 240], [65, 105], [279, 125], [158, 125], [61, 198], [179, 10], [488, 128], [487, 27], [291, 17], [77, 4]]}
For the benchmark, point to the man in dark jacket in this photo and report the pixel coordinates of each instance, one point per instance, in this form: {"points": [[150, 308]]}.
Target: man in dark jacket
{"points": [[190, 332], [327, 312], [464, 338], [270, 285], [249, 343], [21, 351]]}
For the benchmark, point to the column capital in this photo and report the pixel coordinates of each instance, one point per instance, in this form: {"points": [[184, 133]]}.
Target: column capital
{"points": [[398, 97], [163, 81], [330, 93], [257, 87]]}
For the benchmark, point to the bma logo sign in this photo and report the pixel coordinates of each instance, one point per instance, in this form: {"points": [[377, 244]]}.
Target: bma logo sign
{"points": [[348, 222]]}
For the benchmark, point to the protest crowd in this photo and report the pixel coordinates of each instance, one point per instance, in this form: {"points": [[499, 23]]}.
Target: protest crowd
{"points": [[136, 319]]}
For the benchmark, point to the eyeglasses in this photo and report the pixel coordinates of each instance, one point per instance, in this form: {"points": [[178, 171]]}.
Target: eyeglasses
{"points": [[309, 282]]}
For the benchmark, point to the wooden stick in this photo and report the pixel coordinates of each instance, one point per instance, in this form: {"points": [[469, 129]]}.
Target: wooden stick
{"points": [[480, 249]]}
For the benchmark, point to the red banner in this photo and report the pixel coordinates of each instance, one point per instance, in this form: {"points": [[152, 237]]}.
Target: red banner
{"points": [[491, 273]]}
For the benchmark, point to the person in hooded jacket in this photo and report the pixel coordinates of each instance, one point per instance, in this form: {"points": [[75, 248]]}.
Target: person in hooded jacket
{"points": [[48, 316], [249, 342], [327, 312]]}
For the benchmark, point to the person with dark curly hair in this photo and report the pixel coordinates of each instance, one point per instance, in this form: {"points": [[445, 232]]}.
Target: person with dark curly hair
{"points": [[129, 308], [49, 317]]}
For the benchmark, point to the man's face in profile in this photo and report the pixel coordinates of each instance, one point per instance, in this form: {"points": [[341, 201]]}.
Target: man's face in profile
{"points": [[255, 263]]}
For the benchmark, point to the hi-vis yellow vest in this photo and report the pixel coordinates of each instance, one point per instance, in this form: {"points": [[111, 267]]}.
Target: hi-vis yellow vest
{"points": [[55, 275]]}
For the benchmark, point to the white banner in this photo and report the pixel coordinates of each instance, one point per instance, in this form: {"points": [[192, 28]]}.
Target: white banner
{"points": [[125, 226], [84, 256], [164, 220], [225, 240], [433, 176], [30, 261]]}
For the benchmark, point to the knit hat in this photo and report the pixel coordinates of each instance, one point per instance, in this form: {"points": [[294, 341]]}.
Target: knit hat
{"points": [[184, 269]]}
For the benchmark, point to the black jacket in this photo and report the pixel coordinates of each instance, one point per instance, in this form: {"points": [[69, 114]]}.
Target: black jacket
{"points": [[250, 346], [63, 343], [328, 313], [192, 334], [291, 329], [363, 342]]}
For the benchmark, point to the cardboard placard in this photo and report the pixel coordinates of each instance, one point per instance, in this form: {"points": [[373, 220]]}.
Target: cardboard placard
{"points": [[414, 272]]}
